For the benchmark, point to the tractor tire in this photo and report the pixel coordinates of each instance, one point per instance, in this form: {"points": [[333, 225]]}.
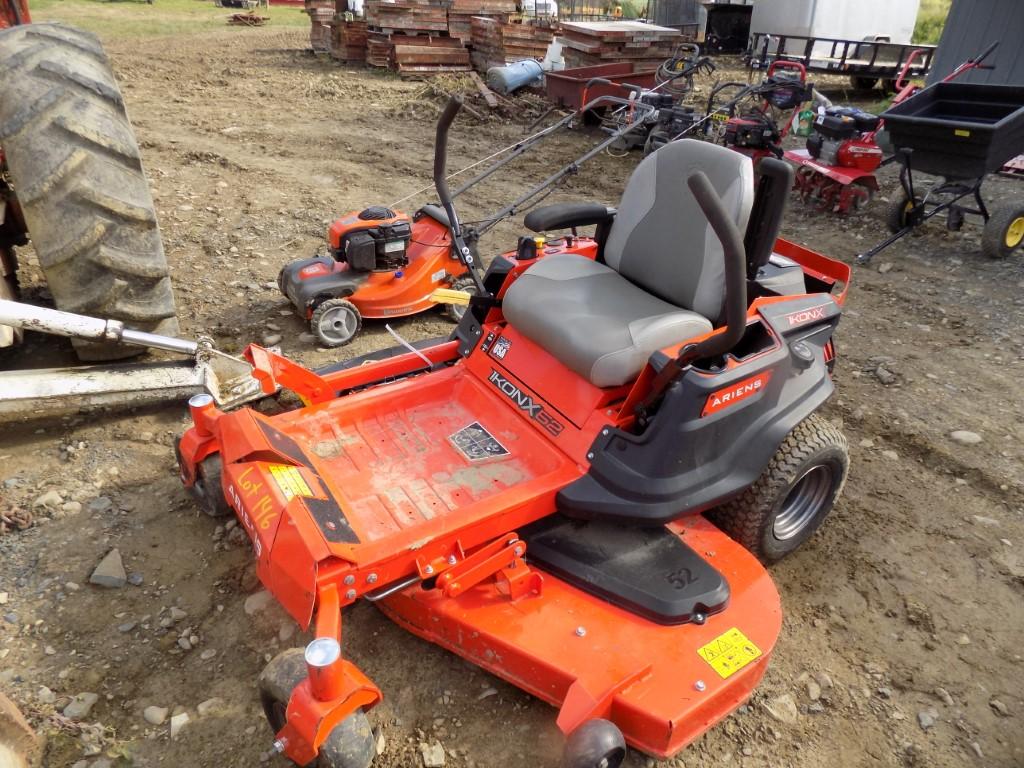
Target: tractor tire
{"points": [[1004, 232], [349, 745], [76, 169], [793, 495]]}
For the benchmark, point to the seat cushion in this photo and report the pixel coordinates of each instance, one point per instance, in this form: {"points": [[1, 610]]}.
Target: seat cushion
{"points": [[593, 320]]}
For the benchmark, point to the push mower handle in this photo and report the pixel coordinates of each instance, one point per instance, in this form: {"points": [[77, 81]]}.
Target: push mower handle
{"points": [[729, 236], [451, 109]]}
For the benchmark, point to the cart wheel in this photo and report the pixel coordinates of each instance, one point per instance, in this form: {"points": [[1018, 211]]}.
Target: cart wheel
{"points": [[1004, 232], [794, 493], [595, 744], [336, 322], [898, 212], [456, 312], [207, 489], [863, 83], [349, 745]]}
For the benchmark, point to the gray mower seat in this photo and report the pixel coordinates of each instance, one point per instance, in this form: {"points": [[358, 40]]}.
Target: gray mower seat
{"points": [[663, 277]]}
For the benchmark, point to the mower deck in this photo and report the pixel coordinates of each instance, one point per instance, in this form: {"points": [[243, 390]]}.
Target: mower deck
{"points": [[664, 685]]}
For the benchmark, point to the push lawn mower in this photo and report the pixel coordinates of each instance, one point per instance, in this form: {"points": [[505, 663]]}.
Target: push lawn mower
{"points": [[758, 117], [836, 170], [386, 264], [574, 490]]}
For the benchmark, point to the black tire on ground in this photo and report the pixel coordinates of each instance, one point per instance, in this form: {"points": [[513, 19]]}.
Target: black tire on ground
{"points": [[897, 210], [76, 169], [793, 495], [455, 312], [595, 744], [336, 322], [863, 83], [349, 745], [208, 490], [1004, 232]]}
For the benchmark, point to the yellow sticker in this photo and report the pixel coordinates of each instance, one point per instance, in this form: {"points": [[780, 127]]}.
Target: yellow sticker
{"points": [[729, 652], [961, 132], [290, 481]]}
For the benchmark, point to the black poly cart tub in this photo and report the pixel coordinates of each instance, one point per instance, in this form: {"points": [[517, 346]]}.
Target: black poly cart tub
{"points": [[959, 130]]}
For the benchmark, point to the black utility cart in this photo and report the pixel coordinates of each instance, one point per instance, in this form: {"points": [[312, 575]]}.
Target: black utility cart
{"points": [[959, 132]]}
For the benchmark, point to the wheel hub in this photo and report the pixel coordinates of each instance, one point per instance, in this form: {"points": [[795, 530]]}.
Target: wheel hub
{"points": [[1015, 232], [803, 502], [338, 324]]}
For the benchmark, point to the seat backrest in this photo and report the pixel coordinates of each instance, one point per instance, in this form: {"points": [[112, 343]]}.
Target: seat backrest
{"points": [[661, 240]]}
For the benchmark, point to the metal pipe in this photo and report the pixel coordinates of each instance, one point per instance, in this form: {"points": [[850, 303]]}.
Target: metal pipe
{"points": [[56, 322]]}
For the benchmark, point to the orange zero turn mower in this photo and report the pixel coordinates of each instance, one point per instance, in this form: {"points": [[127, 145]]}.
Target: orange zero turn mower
{"points": [[579, 490]]}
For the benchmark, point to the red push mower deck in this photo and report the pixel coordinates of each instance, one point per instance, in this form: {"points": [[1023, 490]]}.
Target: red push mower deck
{"points": [[574, 491]]}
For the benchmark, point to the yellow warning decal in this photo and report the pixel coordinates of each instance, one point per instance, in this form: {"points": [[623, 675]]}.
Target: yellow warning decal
{"points": [[729, 652], [290, 481], [961, 132]]}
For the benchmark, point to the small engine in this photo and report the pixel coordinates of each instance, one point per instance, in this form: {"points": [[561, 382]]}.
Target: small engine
{"points": [[375, 239], [840, 139], [673, 122], [751, 131]]}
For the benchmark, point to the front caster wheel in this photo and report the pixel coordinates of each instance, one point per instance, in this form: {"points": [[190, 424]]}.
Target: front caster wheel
{"points": [[595, 744], [793, 495], [336, 322], [207, 489], [349, 745]]}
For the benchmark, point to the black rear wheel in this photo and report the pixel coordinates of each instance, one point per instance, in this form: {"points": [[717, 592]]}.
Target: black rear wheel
{"points": [[793, 495], [455, 312]]}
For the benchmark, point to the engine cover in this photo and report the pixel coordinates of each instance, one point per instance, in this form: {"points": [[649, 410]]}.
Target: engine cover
{"points": [[374, 239]]}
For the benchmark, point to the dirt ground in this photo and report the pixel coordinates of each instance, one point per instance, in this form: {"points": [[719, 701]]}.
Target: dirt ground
{"points": [[901, 643]]}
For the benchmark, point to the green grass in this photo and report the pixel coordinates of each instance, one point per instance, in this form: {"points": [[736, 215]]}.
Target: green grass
{"points": [[930, 21], [136, 18]]}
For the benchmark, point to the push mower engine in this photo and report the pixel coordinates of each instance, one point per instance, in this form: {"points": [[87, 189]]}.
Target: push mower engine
{"points": [[375, 239], [752, 131]]}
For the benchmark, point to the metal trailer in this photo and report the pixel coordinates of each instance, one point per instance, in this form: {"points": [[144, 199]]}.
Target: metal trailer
{"points": [[865, 62]]}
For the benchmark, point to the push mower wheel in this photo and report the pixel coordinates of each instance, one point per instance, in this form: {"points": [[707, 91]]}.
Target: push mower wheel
{"points": [[1004, 232], [336, 322], [349, 745], [793, 495], [595, 744], [456, 312], [896, 214]]}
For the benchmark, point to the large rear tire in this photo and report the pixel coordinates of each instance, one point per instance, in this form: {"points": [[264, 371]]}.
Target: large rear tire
{"points": [[76, 169], [793, 495]]}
